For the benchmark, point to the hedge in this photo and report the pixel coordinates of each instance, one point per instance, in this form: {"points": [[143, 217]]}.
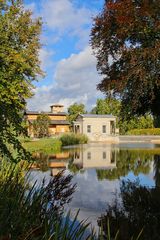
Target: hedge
{"points": [[148, 131]]}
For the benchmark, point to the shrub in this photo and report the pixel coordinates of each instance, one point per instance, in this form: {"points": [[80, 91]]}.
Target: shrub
{"points": [[149, 131], [135, 212], [73, 139], [35, 212]]}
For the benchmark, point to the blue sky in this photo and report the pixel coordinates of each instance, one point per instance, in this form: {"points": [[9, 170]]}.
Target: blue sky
{"points": [[66, 56]]}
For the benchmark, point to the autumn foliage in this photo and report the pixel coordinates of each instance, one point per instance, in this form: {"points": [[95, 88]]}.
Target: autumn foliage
{"points": [[125, 38]]}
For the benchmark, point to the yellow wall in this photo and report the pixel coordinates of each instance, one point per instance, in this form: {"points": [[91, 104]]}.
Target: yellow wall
{"points": [[52, 117], [57, 117], [62, 128], [53, 129]]}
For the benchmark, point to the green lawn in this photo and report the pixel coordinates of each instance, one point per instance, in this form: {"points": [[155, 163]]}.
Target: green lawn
{"points": [[44, 145]]}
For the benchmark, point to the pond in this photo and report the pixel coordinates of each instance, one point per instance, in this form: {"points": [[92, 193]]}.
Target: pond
{"points": [[98, 170]]}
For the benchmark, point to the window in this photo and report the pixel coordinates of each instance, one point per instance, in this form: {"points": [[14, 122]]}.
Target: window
{"points": [[88, 155], [104, 155], [89, 128], [77, 129], [104, 129]]}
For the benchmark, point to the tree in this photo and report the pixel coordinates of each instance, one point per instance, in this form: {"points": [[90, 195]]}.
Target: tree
{"points": [[107, 106], [19, 66], [74, 110], [125, 38], [41, 126]]}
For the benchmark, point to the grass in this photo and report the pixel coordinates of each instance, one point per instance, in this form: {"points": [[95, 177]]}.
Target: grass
{"points": [[53, 145], [45, 145]]}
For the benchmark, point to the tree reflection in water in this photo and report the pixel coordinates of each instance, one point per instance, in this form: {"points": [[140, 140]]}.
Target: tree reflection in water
{"points": [[157, 170], [40, 161], [139, 209], [126, 161]]}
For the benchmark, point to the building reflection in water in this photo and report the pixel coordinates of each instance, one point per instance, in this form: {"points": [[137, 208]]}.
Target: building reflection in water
{"points": [[95, 157], [80, 159], [58, 162]]}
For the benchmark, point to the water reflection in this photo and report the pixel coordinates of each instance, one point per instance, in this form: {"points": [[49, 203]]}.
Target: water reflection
{"points": [[55, 162], [138, 213], [58, 162], [91, 157], [127, 160], [98, 170], [110, 162]]}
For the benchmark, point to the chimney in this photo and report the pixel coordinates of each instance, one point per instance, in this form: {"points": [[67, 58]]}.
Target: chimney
{"points": [[56, 108]]}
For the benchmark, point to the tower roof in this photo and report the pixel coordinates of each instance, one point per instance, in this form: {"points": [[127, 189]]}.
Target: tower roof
{"points": [[57, 105]]}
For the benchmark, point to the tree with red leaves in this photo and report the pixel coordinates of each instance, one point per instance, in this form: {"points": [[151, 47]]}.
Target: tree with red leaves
{"points": [[125, 38]]}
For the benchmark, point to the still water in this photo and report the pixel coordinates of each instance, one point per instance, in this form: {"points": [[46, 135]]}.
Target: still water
{"points": [[98, 169]]}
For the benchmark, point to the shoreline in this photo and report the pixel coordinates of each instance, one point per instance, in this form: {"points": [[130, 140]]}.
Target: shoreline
{"points": [[140, 138]]}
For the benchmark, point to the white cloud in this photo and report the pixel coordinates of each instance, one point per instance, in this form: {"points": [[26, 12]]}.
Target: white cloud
{"points": [[75, 80], [45, 58], [63, 17]]}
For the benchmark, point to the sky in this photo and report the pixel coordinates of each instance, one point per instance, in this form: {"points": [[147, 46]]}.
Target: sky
{"points": [[66, 56]]}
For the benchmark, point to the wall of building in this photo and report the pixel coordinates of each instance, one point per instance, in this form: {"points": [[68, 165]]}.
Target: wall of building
{"points": [[97, 124], [57, 117], [52, 117], [53, 129], [62, 128]]}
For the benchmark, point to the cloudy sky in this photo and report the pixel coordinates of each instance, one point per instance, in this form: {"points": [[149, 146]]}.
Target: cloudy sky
{"points": [[66, 56]]}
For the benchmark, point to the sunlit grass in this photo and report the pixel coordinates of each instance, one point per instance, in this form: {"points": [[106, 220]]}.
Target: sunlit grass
{"points": [[46, 145]]}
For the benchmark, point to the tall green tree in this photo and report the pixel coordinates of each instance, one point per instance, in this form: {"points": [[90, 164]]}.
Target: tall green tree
{"points": [[19, 66], [126, 40], [41, 126], [107, 106], [74, 110]]}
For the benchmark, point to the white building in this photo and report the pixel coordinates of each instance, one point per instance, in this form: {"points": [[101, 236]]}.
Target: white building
{"points": [[96, 127]]}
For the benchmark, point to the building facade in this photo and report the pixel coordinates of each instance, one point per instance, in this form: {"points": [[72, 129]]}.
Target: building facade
{"points": [[96, 127], [58, 120]]}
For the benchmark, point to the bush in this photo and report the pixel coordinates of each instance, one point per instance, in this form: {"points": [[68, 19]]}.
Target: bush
{"points": [[73, 139], [36, 212], [149, 131], [134, 212]]}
